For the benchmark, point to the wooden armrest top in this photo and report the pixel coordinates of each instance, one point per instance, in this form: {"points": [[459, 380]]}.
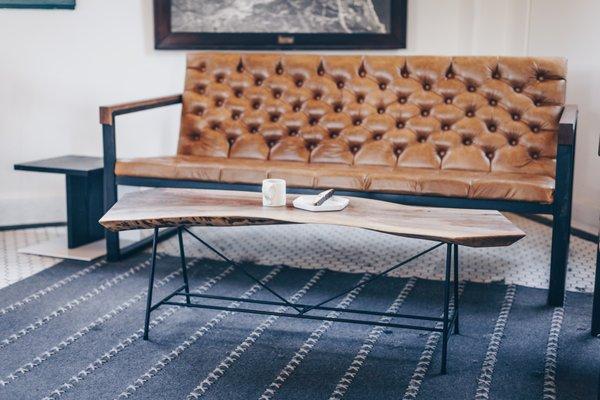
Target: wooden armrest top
{"points": [[108, 112], [567, 125]]}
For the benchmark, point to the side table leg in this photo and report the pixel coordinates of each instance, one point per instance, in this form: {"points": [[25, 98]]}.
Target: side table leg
{"points": [[446, 307], [150, 284], [456, 281], [183, 266], [84, 209]]}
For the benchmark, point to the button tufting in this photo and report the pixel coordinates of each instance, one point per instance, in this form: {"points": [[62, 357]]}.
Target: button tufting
{"points": [[338, 109], [540, 77], [277, 95], [296, 108], [422, 139], [279, 71], [202, 68], [535, 129], [448, 100], [200, 111], [274, 118], [496, 75], [442, 153], [362, 73], [382, 86], [427, 86], [320, 72], [377, 136], [516, 117], [220, 79], [258, 82], [425, 113], [467, 141], [256, 105], [299, 83], [402, 100], [489, 155], [535, 155], [470, 114], [333, 135], [513, 142], [381, 110], [398, 151], [312, 146], [317, 96], [340, 85], [219, 103], [360, 99], [253, 129], [240, 68], [293, 132], [493, 102], [201, 89], [399, 124], [235, 115], [238, 93], [271, 143], [471, 88], [354, 149], [492, 128], [357, 122], [215, 126], [313, 121], [445, 127], [195, 136], [231, 141], [518, 89]]}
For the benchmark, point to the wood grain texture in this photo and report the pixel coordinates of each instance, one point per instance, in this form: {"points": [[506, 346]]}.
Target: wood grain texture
{"points": [[173, 207], [107, 112]]}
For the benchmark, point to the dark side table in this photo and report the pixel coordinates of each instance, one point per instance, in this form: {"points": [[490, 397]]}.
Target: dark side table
{"points": [[84, 201]]}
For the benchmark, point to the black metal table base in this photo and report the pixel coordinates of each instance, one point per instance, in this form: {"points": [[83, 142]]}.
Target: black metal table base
{"points": [[449, 319]]}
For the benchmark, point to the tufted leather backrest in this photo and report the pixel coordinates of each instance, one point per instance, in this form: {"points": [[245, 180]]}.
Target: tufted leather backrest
{"points": [[461, 113]]}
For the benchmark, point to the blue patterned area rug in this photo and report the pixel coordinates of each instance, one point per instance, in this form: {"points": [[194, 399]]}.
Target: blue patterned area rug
{"points": [[74, 332]]}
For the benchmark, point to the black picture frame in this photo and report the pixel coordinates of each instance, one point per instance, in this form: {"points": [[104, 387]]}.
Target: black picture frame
{"points": [[44, 4], [165, 38]]}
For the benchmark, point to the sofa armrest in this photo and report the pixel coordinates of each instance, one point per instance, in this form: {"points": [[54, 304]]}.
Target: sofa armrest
{"points": [[107, 113], [568, 125]]}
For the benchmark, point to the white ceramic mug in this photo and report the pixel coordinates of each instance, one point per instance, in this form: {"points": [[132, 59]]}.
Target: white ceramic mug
{"points": [[273, 191]]}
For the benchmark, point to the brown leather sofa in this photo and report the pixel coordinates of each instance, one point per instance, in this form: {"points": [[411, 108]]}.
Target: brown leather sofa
{"points": [[473, 132]]}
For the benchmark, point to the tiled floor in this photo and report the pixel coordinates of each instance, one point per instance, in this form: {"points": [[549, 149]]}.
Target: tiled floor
{"points": [[348, 249]]}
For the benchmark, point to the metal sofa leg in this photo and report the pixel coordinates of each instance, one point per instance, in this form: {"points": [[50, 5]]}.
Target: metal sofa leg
{"points": [[110, 188], [561, 233]]}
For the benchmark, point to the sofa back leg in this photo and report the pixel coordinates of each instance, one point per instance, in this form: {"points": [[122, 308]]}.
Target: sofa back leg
{"points": [[110, 188], [561, 225]]}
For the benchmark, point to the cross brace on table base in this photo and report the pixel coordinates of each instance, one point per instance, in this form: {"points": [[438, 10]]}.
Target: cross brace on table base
{"points": [[448, 320]]}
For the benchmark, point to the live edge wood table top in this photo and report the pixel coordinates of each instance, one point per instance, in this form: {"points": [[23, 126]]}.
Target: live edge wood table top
{"points": [[194, 207]]}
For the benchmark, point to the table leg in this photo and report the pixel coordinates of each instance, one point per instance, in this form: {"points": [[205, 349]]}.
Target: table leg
{"points": [[446, 308], [456, 281], [183, 266], [150, 285], [84, 209]]}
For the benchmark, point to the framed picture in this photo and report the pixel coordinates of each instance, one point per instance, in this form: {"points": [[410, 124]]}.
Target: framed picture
{"points": [[68, 4], [280, 24]]}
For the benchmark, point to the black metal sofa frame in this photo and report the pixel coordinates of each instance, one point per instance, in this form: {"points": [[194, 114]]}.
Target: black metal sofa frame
{"points": [[560, 209]]}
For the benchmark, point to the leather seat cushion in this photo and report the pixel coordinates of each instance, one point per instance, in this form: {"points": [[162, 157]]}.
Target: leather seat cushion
{"points": [[415, 181]]}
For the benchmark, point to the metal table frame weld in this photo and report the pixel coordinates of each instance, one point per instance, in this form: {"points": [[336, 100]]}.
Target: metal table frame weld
{"points": [[449, 318]]}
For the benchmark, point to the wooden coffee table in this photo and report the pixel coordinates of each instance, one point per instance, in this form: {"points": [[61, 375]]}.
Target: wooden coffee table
{"points": [[182, 208]]}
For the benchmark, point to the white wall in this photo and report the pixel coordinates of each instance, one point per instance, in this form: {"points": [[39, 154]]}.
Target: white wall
{"points": [[57, 67]]}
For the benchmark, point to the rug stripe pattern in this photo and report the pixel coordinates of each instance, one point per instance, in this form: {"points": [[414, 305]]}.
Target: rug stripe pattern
{"points": [[35, 368]]}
